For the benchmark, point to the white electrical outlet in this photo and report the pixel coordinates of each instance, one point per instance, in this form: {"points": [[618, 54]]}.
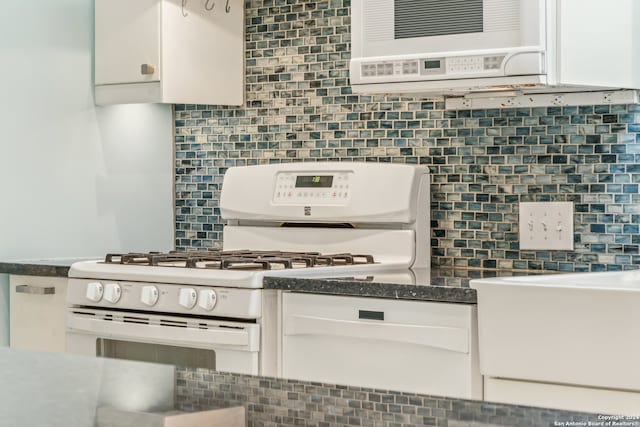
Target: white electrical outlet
{"points": [[546, 225]]}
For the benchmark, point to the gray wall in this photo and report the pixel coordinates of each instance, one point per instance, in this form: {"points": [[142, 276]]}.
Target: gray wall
{"points": [[76, 180]]}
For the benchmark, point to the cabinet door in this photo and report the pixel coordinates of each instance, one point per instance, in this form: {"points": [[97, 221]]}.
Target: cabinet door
{"points": [[203, 52], [37, 312], [127, 38]]}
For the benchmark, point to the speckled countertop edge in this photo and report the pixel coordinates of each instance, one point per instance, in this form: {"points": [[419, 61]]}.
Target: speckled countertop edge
{"points": [[23, 269], [44, 267], [373, 289]]}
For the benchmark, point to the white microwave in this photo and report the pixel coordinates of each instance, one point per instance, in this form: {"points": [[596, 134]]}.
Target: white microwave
{"points": [[460, 46]]}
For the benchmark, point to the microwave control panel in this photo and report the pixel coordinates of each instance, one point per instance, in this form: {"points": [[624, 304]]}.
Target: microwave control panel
{"points": [[433, 66]]}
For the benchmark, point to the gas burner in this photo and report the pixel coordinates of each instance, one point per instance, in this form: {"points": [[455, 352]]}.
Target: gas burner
{"points": [[239, 260]]}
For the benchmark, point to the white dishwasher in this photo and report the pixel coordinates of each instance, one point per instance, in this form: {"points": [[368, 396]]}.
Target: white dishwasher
{"points": [[412, 346]]}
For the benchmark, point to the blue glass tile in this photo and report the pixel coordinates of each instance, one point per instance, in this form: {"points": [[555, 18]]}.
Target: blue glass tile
{"points": [[484, 161], [614, 229]]}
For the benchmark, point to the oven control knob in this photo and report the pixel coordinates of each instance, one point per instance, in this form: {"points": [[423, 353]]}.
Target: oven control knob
{"points": [[112, 292], [149, 296], [187, 298], [94, 291], [207, 299]]}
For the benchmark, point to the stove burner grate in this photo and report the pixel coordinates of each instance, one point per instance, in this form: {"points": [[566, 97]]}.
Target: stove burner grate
{"points": [[239, 260]]}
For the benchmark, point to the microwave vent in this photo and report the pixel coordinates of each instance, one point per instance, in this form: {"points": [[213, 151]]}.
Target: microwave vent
{"points": [[430, 18], [501, 15], [377, 25]]}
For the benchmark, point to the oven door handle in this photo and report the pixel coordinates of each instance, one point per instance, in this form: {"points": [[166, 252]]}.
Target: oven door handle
{"points": [[242, 338], [442, 337]]}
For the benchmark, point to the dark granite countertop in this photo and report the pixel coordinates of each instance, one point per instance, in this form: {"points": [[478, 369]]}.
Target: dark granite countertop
{"points": [[58, 267], [434, 284]]}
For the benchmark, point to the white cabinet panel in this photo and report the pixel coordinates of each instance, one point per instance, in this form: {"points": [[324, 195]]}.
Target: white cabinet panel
{"points": [[38, 313], [4, 310], [169, 51], [127, 37]]}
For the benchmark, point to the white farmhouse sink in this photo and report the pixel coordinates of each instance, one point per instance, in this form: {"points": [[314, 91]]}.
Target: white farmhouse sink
{"points": [[569, 341], [628, 280]]}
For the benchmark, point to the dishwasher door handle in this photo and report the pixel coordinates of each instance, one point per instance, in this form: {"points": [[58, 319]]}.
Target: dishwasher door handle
{"points": [[441, 337]]}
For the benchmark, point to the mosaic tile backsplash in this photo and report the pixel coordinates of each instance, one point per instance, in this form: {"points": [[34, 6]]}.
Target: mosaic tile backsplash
{"points": [[275, 402], [299, 107]]}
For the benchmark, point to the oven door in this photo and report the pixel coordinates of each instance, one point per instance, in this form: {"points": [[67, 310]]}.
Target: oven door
{"points": [[182, 341]]}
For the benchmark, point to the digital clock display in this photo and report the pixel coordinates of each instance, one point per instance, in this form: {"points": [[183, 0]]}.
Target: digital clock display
{"points": [[314, 181], [432, 64]]}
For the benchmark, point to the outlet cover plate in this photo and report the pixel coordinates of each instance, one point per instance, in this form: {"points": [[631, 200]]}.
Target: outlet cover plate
{"points": [[546, 225]]}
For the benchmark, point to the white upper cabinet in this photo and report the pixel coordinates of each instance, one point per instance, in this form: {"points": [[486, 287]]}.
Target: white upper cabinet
{"points": [[127, 37], [169, 51]]}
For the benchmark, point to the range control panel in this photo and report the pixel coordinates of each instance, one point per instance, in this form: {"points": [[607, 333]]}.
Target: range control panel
{"points": [[311, 188]]}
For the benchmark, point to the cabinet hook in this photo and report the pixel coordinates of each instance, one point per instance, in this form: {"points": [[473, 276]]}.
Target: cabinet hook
{"points": [[184, 4], [209, 5], [227, 8]]}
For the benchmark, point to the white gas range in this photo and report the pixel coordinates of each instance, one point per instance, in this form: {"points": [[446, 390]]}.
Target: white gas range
{"points": [[207, 308]]}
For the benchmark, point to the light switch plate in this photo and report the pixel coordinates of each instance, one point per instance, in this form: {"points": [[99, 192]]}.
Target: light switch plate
{"points": [[546, 225]]}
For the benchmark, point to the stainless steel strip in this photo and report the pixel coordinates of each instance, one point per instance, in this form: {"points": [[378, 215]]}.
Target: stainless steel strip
{"points": [[35, 290]]}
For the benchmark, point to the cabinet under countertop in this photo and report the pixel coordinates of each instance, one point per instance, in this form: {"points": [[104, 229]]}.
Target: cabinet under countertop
{"points": [[37, 312]]}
